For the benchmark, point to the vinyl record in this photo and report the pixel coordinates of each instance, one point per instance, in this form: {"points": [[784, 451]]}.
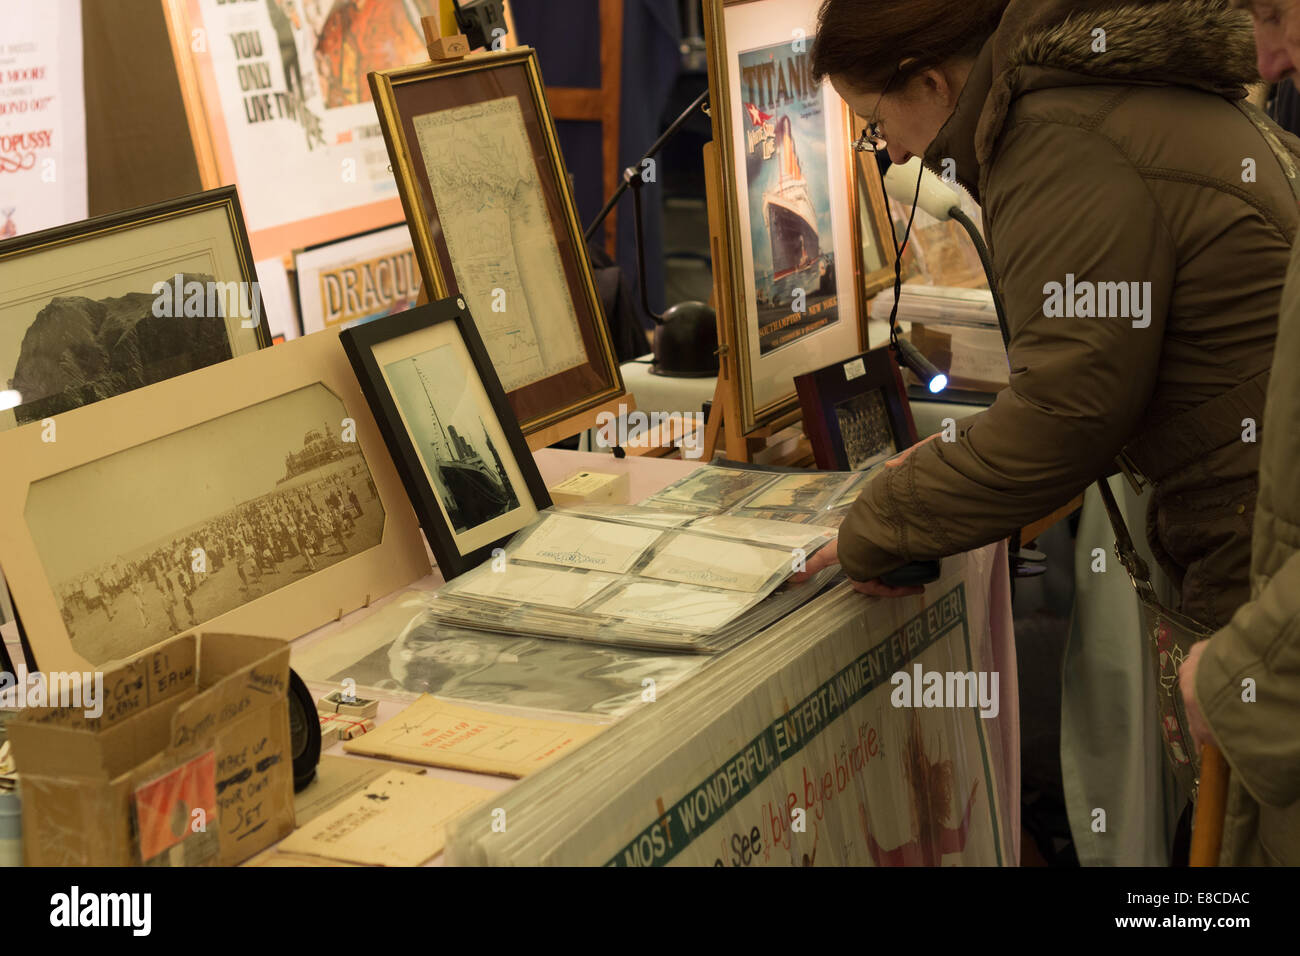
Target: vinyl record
{"points": [[304, 732]]}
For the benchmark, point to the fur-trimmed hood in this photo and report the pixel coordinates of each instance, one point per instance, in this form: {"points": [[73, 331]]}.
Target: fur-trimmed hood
{"points": [[1203, 43], [1044, 44]]}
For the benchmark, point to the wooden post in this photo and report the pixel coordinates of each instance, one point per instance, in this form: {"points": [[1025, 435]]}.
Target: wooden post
{"points": [[1211, 804]]}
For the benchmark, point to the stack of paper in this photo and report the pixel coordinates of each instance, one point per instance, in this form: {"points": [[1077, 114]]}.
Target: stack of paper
{"points": [[939, 305], [698, 567]]}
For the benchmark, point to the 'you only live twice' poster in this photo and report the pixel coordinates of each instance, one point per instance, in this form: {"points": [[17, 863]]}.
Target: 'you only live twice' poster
{"points": [[788, 195], [286, 94]]}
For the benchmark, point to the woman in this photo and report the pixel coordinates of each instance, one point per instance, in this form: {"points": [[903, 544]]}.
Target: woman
{"points": [[1117, 174]]}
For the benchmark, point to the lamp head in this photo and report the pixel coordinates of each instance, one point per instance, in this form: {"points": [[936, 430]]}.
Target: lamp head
{"points": [[686, 341], [937, 198]]}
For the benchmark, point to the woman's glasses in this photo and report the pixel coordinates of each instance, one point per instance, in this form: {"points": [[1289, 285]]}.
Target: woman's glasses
{"points": [[871, 140]]}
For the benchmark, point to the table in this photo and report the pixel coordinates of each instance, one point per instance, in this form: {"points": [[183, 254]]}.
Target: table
{"points": [[648, 475]]}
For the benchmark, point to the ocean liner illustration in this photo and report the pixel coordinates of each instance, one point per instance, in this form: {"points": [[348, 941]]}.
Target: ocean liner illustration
{"points": [[473, 491], [791, 220]]}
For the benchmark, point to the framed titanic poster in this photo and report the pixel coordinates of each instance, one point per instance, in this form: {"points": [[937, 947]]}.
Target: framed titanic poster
{"points": [[789, 203]]}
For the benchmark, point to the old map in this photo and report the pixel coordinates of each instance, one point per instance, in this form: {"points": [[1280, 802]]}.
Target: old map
{"points": [[493, 214]]}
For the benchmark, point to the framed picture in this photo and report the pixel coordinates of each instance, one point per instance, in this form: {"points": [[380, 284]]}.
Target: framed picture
{"points": [[856, 413], [452, 435], [277, 101], [492, 217], [789, 203], [97, 308], [251, 497], [357, 279], [279, 300]]}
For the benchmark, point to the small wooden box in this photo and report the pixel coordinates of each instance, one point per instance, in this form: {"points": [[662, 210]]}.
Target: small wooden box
{"points": [[588, 486]]}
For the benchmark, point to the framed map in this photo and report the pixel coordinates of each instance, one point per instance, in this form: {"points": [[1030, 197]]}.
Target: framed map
{"points": [[492, 218]]}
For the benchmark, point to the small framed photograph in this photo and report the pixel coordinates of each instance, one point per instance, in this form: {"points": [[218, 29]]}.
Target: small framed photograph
{"points": [[856, 413], [493, 219], [357, 279], [97, 308], [449, 428]]}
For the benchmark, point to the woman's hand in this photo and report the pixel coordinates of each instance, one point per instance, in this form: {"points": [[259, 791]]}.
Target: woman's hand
{"points": [[1197, 724], [830, 555]]}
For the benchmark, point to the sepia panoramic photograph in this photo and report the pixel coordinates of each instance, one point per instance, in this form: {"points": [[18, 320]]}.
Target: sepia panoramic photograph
{"points": [[156, 539]]}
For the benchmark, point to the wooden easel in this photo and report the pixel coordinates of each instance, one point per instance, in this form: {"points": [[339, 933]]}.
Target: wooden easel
{"points": [[455, 47], [725, 424]]}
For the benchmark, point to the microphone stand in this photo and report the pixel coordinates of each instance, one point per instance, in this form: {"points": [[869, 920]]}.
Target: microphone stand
{"points": [[687, 330]]}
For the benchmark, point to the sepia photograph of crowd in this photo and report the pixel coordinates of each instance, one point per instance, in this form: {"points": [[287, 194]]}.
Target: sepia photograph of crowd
{"points": [[318, 506]]}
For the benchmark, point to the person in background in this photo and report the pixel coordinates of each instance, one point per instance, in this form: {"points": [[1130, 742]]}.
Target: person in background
{"points": [[1242, 686]]}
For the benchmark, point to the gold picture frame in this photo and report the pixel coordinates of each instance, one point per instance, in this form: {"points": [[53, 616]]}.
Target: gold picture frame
{"points": [[102, 509], [491, 105], [775, 326]]}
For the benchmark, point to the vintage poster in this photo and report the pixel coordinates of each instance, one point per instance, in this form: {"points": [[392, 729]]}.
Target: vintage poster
{"points": [[42, 116], [279, 103], [791, 204], [788, 195], [357, 279]]}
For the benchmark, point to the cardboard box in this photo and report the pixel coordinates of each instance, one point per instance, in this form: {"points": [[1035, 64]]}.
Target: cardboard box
{"points": [[190, 762]]}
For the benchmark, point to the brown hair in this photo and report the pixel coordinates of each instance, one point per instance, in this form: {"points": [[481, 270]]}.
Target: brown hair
{"points": [[866, 40]]}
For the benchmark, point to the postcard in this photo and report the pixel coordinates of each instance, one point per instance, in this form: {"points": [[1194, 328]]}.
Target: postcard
{"points": [[716, 563], [760, 530], [633, 514], [806, 491], [398, 820], [440, 733], [549, 587], [717, 489], [583, 543], [674, 605], [774, 514]]}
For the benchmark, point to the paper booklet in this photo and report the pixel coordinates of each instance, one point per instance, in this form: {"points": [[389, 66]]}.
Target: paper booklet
{"points": [[440, 733]]}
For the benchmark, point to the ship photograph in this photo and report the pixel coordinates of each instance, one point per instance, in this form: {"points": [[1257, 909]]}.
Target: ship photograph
{"points": [[789, 201], [448, 426]]}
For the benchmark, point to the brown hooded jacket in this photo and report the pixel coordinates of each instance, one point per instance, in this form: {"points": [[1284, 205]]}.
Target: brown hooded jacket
{"points": [[1115, 167]]}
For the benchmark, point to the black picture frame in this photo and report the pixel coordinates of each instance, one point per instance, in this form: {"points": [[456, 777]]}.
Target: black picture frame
{"points": [[359, 342], [823, 392], [26, 248]]}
